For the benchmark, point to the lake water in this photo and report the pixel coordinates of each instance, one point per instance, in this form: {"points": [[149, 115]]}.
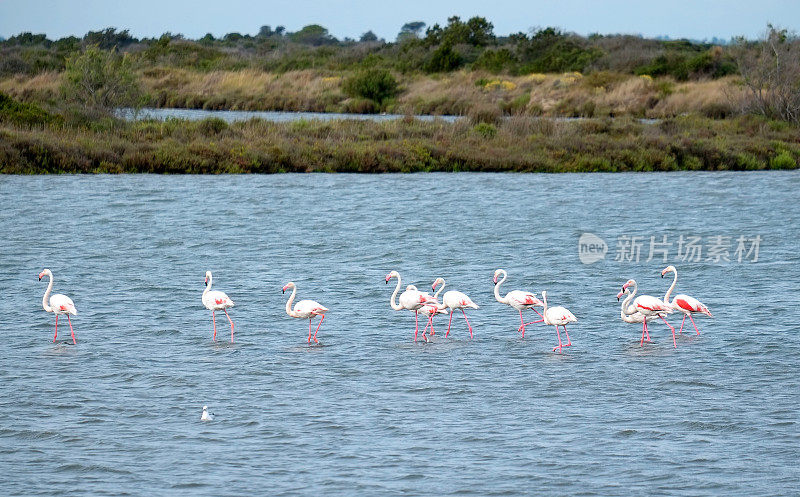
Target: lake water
{"points": [[274, 116], [371, 412]]}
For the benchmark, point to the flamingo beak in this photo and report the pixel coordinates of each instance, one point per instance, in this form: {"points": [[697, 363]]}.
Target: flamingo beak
{"points": [[494, 280], [40, 277]]}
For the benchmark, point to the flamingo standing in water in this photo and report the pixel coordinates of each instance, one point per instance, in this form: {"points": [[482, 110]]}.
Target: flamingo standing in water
{"points": [[305, 309], [558, 316], [214, 300], [635, 317], [649, 307], [455, 300], [683, 303], [431, 309], [411, 299], [58, 304], [517, 299]]}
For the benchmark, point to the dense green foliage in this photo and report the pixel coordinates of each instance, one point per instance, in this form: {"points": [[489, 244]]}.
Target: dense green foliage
{"points": [[21, 113], [377, 85], [101, 80], [457, 44]]}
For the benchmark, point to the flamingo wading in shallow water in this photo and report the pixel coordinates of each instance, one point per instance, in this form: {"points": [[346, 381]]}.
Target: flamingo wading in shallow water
{"points": [[558, 316], [683, 303], [635, 317], [214, 300], [432, 308], [411, 299], [58, 304], [517, 299], [648, 306], [305, 309], [455, 300]]}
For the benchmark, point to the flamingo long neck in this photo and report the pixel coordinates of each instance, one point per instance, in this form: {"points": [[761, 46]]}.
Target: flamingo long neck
{"points": [[631, 310], [672, 286], [626, 311], [289, 302], [393, 300], [502, 300], [436, 295], [208, 286], [46, 298]]}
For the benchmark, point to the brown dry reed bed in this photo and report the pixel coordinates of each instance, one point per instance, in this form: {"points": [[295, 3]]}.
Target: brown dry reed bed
{"points": [[524, 144]]}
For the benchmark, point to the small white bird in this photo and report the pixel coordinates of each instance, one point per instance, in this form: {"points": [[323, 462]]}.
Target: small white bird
{"points": [[207, 416]]}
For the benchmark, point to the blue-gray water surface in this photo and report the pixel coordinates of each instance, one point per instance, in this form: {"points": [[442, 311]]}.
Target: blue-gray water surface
{"points": [[369, 411]]}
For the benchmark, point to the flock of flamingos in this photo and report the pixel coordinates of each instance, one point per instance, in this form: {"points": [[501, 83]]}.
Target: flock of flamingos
{"points": [[642, 308]]}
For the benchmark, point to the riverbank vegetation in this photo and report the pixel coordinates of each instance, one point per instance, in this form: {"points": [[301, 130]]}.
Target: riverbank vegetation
{"points": [[33, 141], [461, 67], [719, 106]]}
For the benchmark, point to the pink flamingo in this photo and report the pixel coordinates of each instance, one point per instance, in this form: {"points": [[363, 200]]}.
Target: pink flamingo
{"points": [[649, 307], [216, 301], [635, 317], [58, 304], [683, 303], [517, 299], [455, 300], [411, 299], [305, 309], [431, 309], [558, 316]]}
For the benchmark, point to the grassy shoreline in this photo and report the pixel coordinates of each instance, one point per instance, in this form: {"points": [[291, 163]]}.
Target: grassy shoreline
{"points": [[598, 95], [521, 144]]}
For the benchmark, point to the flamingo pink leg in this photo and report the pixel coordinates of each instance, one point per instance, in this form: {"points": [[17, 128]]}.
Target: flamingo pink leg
{"points": [[214, 321], [558, 333], [229, 319], [416, 328], [430, 322], [569, 342], [644, 329], [70, 330], [467, 320], [682, 321], [449, 323], [309, 330], [673, 331], [56, 336], [317, 330], [540, 315], [522, 326], [695, 326]]}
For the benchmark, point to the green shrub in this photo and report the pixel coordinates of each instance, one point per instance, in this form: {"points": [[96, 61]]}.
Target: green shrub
{"points": [[443, 59], [15, 112], [495, 61], [783, 160], [485, 129], [101, 81], [212, 126], [377, 85]]}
